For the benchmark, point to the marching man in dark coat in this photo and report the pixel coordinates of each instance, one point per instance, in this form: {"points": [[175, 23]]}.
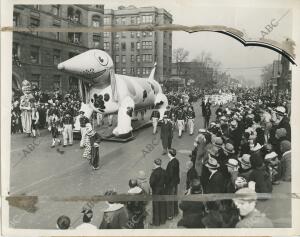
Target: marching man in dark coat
{"points": [[157, 184], [166, 134], [173, 180]]}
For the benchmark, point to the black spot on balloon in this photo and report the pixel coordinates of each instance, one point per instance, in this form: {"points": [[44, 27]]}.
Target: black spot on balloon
{"points": [[92, 100], [101, 60], [106, 97], [144, 95]]}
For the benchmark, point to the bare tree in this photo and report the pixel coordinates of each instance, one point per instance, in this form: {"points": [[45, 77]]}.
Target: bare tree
{"points": [[180, 55]]}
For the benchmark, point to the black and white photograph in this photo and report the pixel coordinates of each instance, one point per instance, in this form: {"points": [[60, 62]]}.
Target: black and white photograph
{"points": [[149, 116]]}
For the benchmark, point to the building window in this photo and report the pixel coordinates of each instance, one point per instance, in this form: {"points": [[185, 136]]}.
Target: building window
{"points": [[138, 58], [16, 19], [147, 45], [146, 71], [56, 56], [106, 45], [138, 20], [16, 50], [117, 21], [123, 70], [70, 13], [117, 46], [138, 71], [34, 54], [36, 7], [132, 58], [138, 34], [144, 34], [34, 22], [123, 46], [147, 19], [123, 21], [16, 54], [117, 58], [96, 21], [106, 21], [117, 70], [132, 20], [35, 80], [132, 34], [74, 38], [123, 34], [55, 10], [74, 16], [132, 71], [132, 46], [123, 59], [117, 35], [150, 33], [73, 83], [56, 82], [77, 16], [147, 58], [56, 34], [106, 34], [138, 45], [96, 40]]}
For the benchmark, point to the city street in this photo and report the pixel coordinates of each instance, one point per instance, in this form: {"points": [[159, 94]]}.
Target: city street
{"points": [[62, 172]]}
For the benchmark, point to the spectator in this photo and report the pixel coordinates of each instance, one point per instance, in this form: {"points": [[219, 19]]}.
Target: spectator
{"points": [[285, 147], [63, 223], [115, 216], [251, 217], [86, 219]]}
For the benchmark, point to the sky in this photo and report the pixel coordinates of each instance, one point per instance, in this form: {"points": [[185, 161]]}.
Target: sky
{"points": [[233, 56]]}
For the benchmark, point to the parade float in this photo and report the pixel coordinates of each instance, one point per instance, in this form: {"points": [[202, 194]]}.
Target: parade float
{"points": [[110, 93]]}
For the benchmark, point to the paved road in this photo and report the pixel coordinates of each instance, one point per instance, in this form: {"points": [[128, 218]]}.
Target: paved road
{"points": [[48, 172]]}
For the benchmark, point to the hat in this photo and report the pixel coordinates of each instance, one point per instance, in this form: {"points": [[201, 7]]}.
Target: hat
{"points": [[247, 194], [234, 123], [218, 142], [281, 132], [157, 161], [245, 160], [280, 110], [213, 151], [228, 148], [271, 155], [202, 130], [256, 148], [240, 182], [172, 152], [223, 118], [213, 124], [212, 163], [232, 163]]}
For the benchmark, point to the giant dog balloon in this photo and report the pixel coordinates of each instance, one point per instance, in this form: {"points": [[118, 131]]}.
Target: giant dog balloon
{"points": [[110, 92]]}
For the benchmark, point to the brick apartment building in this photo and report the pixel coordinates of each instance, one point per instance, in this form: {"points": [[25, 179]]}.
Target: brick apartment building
{"points": [[36, 54], [134, 53]]}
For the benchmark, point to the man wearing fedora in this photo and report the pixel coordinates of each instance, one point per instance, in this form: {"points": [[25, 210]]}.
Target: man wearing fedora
{"points": [[281, 122], [172, 181], [158, 185], [166, 134], [216, 180]]}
